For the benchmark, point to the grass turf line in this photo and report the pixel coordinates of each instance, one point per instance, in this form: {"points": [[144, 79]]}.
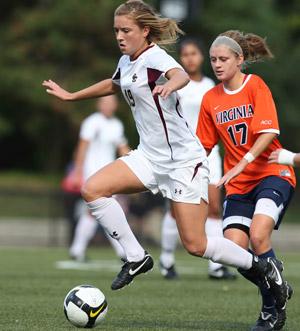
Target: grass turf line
{"points": [[33, 289]]}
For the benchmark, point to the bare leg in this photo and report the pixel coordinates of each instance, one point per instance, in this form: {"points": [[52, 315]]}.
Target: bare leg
{"points": [[213, 227], [260, 233], [190, 220], [97, 191]]}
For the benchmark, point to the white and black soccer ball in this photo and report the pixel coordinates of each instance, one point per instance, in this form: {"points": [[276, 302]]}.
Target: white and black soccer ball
{"points": [[85, 306]]}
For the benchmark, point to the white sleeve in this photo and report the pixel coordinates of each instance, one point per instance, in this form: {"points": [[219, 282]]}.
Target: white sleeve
{"points": [[117, 74], [88, 128], [162, 61]]}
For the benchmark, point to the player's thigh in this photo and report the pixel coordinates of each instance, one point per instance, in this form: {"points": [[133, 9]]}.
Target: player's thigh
{"points": [[115, 178], [190, 219], [214, 196]]}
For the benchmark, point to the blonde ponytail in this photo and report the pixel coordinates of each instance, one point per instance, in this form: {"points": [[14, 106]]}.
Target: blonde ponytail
{"points": [[254, 47]]}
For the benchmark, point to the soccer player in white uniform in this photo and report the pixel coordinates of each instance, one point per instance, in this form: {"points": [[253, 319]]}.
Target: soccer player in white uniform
{"points": [[192, 57], [169, 158], [101, 138]]}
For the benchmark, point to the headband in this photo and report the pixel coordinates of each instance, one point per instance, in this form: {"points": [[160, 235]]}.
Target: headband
{"points": [[229, 42]]}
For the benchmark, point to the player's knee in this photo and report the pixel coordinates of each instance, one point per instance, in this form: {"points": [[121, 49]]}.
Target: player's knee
{"points": [[257, 240], [193, 248], [90, 191]]}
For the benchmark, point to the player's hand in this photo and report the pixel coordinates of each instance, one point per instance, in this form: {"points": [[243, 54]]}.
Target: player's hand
{"points": [[232, 173], [274, 156], [56, 90], [282, 156], [162, 90]]}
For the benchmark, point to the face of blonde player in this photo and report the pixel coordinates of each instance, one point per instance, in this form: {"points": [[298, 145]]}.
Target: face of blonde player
{"points": [[131, 38], [107, 105], [225, 63], [191, 58]]}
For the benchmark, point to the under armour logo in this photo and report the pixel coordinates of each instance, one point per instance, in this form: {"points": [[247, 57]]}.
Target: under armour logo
{"points": [[178, 191], [134, 78], [114, 234]]}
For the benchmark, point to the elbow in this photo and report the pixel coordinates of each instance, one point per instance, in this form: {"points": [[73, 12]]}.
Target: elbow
{"points": [[186, 79]]}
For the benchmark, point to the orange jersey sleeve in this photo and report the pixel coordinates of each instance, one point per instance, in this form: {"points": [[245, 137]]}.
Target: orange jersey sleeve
{"points": [[206, 130], [236, 118], [265, 115]]}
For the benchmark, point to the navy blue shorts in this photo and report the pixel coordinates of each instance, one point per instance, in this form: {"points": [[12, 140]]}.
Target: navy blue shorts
{"points": [[243, 205]]}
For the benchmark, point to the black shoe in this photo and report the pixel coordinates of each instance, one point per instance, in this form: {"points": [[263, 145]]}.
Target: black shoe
{"points": [[222, 273], [278, 286], [168, 273], [270, 272], [281, 313], [265, 322], [130, 270]]}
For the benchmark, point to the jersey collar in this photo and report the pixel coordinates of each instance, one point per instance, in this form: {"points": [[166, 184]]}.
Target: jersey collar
{"points": [[239, 89]]}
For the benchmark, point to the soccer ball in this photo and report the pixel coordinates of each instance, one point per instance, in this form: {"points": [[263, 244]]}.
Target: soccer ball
{"points": [[85, 306]]}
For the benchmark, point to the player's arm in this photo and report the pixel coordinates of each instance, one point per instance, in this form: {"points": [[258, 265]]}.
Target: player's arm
{"points": [[260, 145], [103, 88], [177, 79], [283, 156]]}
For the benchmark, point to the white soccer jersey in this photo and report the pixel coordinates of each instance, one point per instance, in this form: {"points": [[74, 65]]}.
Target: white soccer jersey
{"points": [[165, 138], [191, 97], [104, 136]]}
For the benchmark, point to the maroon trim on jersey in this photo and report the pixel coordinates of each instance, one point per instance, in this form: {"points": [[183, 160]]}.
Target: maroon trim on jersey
{"points": [[117, 75], [153, 76], [150, 46], [196, 170], [179, 114]]}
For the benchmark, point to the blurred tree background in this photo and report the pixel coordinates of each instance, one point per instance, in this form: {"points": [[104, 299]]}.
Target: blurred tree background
{"points": [[72, 42]]}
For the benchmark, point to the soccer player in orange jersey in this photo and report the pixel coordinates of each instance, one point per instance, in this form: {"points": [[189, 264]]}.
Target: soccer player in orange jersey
{"points": [[240, 112]]}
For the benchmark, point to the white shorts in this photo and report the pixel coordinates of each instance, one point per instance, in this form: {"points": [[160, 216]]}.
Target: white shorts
{"points": [[215, 166], [188, 185]]}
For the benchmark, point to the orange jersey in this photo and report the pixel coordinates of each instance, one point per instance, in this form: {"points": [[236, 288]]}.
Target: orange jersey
{"points": [[237, 118]]}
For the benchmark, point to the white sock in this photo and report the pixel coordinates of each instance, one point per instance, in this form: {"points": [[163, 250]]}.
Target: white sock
{"points": [[84, 232], [110, 215], [227, 252], [116, 246], [169, 238], [213, 228]]}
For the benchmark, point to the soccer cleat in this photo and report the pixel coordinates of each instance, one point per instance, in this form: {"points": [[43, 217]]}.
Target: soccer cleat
{"points": [[281, 313], [130, 270], [222, 273], [265, 322], [270, 271], [278, 286], [168, 273]]}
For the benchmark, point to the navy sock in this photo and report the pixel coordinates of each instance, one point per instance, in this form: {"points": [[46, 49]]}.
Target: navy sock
{"points": [[268, 302]]}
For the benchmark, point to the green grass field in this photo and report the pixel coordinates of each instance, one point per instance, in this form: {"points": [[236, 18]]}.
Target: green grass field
{"points": [[33, 289]]}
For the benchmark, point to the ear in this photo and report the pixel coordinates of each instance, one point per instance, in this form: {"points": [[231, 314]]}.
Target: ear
{"points": [[240, 59], [146, 31]]}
